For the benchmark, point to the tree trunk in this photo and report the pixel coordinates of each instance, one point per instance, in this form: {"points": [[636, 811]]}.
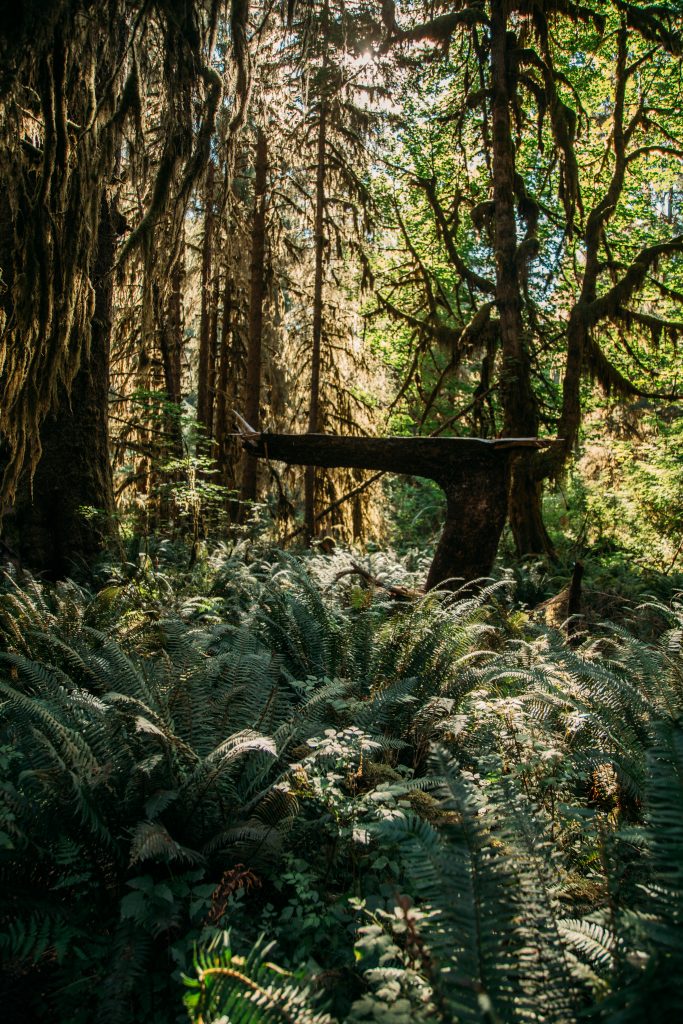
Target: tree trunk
{"points": [[520, 414], [257, 287], [170, 323], [204, 381], [525, 510], [225, 362], [213, 349], [64, 517], [473, 473], [314, 410]]}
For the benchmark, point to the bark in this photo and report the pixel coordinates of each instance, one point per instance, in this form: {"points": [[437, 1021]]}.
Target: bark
{"points": [[257, 288], [225, 365], [54, 529], [570, 418], [204, 381], [171, 348], [314, 410], [213, 348], [574, 601], [473, 473], [525, 510]]}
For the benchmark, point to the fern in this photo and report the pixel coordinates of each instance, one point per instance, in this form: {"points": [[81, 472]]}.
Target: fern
{"points": [[650, 953], [247, 990], [491, 949], [503, 809]]}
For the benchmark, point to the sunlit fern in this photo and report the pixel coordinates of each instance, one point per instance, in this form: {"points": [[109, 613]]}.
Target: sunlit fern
{"points": [[247, 989]]}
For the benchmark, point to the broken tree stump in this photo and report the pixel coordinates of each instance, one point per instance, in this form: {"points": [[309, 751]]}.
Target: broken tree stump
{"points": [[473, 473]]}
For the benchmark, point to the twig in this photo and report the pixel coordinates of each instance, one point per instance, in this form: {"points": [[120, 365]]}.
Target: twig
{"points": [[398, 593], [675, 557], [247, 429]]}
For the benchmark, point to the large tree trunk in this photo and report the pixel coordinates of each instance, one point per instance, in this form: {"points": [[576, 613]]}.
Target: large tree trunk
{"points": [[473, 473], [170, 326], [204, 379], [64, 517], [517, 395], [225, 365], [258, 250], [314, 409]]}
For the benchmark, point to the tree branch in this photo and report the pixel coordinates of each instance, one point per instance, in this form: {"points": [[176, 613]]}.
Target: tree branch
{"points": [[608, 305], [437, 30], [612, 381]]}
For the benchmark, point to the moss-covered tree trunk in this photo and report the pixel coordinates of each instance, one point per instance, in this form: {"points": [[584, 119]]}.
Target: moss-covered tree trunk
{"points": [[257, 288], [517, 394], [63, 519], [170, 333], [205, 383], [316, 351], [227, 391]]}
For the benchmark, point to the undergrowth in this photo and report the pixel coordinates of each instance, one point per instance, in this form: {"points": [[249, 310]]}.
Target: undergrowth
{"points": [[261, 790]]}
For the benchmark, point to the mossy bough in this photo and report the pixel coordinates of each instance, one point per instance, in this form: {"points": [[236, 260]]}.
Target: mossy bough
{"points": [[474, 474]]}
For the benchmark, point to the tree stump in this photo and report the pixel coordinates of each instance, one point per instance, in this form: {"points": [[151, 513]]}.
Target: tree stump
{"points": [[474, 474]]}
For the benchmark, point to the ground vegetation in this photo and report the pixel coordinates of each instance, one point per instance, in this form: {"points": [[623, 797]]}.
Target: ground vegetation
{"points": [[341, 515]]}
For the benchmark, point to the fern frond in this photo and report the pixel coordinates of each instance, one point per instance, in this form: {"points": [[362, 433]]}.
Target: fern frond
{"points": [[152, 841], [248, 990]]}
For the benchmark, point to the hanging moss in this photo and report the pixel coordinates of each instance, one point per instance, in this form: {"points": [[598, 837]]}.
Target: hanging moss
{"points": [[65, 103]]}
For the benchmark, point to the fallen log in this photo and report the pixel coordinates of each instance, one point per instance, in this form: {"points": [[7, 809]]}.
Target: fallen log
{"points": [[474, 474]]}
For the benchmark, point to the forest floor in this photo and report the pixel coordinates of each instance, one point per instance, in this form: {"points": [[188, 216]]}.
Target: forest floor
{"points": [[263, 789]]}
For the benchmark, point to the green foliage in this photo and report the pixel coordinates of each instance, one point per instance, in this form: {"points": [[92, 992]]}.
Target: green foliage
{"points": [[182, 488], [436, 810], [248, 990], [417, 512], [633, 494]]}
